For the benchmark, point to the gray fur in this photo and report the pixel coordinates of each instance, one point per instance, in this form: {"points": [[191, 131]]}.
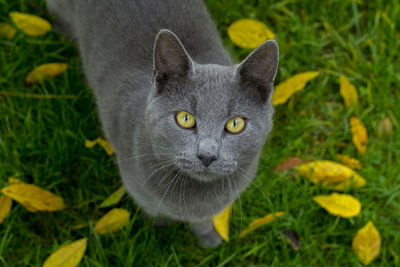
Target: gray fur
{"points": [[141, 79]]}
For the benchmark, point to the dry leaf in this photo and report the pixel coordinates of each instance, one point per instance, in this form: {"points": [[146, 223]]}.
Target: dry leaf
{"points": [[30, 24], [249, 33], [349, 161], [385, 128], [113, 221], [260, 222], [329, 173], [79, 226], [360, 136], [114, 198], [341, 205], [367, 243], [5, 207], [44, 71], [67, 256], [7, 31], [348, 92], [104, 143], [12, 180], [286, 89], [33, 198], [221, 223], [292, 238], [289, 163]]}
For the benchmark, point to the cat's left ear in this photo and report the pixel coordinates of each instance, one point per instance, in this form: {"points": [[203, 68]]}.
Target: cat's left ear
{"points": [[171, 61], [259, 69]]}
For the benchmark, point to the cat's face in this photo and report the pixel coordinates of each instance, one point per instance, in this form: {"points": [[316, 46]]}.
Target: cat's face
{"points": [[207, 120]]}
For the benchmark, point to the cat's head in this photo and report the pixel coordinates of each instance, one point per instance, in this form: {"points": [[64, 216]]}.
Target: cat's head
{"points": [[209, 120]]}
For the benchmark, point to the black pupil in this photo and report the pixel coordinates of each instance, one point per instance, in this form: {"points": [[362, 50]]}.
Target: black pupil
{"points": [[235, 123], [186, 118]]}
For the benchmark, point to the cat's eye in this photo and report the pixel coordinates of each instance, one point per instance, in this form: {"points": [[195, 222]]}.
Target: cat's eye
{"points": [[185, 119], [235, 125]]}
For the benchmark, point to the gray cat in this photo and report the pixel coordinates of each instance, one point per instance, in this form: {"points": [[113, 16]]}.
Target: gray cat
{"points": [[187, 125]]}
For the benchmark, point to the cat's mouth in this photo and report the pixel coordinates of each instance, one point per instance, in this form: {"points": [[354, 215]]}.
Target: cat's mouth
{"points": [[205, 174]]}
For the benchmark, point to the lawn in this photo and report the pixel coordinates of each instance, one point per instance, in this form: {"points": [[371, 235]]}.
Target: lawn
{"points": [[42, 142]]}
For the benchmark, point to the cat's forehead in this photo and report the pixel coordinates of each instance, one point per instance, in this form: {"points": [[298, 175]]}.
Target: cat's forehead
{"points": [[214, 89]]}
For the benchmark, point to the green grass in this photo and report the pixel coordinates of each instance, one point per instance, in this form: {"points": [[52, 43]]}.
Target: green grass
{"points": [[42, 142]]}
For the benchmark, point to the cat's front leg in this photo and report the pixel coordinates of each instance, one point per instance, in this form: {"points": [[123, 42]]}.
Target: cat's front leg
{"points": [[205, 231]]}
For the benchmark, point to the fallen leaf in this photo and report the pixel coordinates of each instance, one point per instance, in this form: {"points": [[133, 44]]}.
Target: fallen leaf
{"points": [[67, 256], [7, 31], [30, 24], [329, 173], [5, 207], [114, 198], [292, 238], [260, 222], [367, 243], [113, 221], [45, 71], [249, 33], [349, 161], [289, 163], [360, 136], [12, 180], [104, 143], [286, 89], [341, 205], [79, 226], [221, 223], [33, 198], [348, 92], [385, 129]]}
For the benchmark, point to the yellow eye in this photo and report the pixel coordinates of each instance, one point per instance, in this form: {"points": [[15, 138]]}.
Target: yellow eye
{"points": [[185, 119], [235, 125]]}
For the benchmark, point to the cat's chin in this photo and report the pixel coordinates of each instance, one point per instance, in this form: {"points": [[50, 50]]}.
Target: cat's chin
{"points": [[206, 176]]}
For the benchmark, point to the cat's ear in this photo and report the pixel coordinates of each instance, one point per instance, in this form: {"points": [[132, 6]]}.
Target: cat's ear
{"points": [[171, 61], [258, 70]]}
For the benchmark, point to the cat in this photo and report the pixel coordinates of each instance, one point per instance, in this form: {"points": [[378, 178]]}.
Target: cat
{"points": [[186, 123]]}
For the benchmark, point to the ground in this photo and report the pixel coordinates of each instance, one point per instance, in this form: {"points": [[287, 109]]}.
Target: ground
{"points": [[42, 142]]}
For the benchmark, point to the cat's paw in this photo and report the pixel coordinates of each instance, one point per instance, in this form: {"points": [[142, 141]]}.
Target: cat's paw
{"points": [[209, 240]]}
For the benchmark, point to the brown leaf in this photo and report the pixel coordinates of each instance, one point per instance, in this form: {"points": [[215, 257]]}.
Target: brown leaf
{"points": [[385, 129], [292, 238], [289, 163]]}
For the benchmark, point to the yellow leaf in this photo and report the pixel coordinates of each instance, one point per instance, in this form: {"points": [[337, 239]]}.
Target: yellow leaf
{"points": [[221, 223], [44, 71], [367, 243], [33, 198], [360, 136], [348, 92], [7, 30], [67, 256], [286, 89], [249, 33], [341, 205], [114, 198], [113, 221], [260, 222], [351, 162], [329, 173], [12, 180], [30, 24], [5, 207], [104, 143]]}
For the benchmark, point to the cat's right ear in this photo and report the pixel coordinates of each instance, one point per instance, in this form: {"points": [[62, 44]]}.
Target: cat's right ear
{"points": [[171, 61]]}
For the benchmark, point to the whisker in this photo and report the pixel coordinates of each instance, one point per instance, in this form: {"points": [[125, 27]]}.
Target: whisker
{"points": [[154, 172], [240, 205]]}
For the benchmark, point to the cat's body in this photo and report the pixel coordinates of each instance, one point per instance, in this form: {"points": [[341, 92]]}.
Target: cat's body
{"points": [[161, 163]]}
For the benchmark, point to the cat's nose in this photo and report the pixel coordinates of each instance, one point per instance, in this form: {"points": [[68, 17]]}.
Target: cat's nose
{"points": [[207, 151]]}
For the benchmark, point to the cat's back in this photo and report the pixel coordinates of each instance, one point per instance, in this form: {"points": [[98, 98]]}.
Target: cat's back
{"points": [[130, 26]]}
